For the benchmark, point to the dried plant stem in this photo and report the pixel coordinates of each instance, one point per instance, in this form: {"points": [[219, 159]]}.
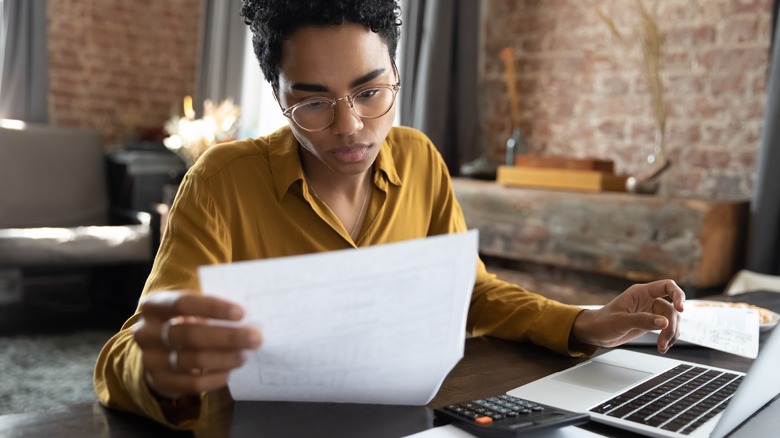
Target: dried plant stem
{"points": [[650, 41], [611, 26]]}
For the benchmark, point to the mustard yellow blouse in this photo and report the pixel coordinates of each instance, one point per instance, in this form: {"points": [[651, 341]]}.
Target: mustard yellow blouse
{"points": [[247, 200]]}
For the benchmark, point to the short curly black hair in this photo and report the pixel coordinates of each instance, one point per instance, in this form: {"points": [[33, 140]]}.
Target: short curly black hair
{"points": [[272, 21]]}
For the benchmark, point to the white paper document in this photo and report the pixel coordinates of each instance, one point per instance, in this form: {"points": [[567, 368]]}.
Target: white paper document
{"points": [[733, 330], [381, 324]]}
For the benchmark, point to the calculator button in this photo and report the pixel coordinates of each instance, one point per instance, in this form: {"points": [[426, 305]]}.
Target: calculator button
{"points": [[483, 420]]}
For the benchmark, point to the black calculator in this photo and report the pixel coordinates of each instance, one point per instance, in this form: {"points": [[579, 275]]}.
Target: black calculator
{"points": [[507, 416]]}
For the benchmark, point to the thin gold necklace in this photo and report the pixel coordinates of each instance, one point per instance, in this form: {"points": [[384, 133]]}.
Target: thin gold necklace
{"points": [[362, 211]]}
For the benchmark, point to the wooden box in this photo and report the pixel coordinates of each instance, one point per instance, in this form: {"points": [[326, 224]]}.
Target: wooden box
{"points": [[546, 162], [570, 179]]}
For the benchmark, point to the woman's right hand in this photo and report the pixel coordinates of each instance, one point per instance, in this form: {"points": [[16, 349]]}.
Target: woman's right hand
{"points": [[186, 350]]}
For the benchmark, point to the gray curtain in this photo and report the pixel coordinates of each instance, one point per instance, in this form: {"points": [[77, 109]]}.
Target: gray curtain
{"points": [[221, 60], [24, 80], [775, 9], [439, 75], [764, 241]]}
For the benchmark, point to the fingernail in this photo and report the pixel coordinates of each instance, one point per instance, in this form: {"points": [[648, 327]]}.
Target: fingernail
{"points": [[254, 339], [235, 312], [660, 322]]}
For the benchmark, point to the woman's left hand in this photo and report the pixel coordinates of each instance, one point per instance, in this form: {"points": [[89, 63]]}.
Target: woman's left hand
{"points": [[641, 308]]}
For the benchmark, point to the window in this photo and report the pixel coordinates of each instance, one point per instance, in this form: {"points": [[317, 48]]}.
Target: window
{"points": [[260, 114]]}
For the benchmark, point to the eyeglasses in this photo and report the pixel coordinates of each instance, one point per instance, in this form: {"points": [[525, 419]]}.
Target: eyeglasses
{"points": [[317, 113]]}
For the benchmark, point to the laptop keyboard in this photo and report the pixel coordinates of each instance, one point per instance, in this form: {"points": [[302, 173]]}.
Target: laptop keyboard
{"points": [[679, 400]]}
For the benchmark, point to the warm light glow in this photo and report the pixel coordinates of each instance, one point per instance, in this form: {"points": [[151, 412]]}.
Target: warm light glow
{"points": [[190, 137], [189, 112], [12, 124]]}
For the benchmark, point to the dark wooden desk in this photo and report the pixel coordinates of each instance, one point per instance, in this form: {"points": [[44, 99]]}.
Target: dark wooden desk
{"points": [[489, 367]]}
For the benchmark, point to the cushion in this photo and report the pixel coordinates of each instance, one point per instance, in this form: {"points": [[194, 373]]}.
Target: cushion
{"points": [[94, 245], [52, 177]]}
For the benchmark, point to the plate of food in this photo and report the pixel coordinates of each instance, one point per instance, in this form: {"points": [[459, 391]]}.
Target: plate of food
{"points": [[767, 319]]}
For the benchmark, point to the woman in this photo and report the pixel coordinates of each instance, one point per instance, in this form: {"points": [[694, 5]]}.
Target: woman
{"points": [[339, 176]]}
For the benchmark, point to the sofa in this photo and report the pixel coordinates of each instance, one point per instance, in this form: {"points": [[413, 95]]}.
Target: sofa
{"points": [[56, 221]]}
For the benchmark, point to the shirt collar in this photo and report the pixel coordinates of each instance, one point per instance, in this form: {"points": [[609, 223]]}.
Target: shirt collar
{"points": [[284, 159], [385, 163]]}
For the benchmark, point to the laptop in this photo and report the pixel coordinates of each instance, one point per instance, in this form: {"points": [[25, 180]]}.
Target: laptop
{"points": [[659, 396]]}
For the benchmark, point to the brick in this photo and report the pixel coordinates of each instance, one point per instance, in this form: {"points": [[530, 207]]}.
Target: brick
{"points": [[704, 34], [683, 133], [684, 83], [643, 132], [689, 36], [726, 83], [747, 6], [674, 59], [759, 82], [622, 106], [733, 58], [705, 158], [687, 107], [612, 129], [677, 10], [688, 181], [739, 29], [721, 133], [612, 84], [747, 159], [754, 108], [753, 137]]}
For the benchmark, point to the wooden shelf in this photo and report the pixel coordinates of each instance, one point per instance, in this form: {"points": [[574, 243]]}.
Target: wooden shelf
{"points": [[638, 237]]}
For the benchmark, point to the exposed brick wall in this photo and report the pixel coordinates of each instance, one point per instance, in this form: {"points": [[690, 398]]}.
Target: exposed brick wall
{"points": [[583, 95], [115, 59]]}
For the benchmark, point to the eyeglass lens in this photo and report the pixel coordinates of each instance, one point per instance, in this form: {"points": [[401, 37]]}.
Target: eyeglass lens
{"points": [[318, 113]]}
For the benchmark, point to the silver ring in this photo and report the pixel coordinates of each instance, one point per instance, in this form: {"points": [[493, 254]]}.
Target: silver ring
{"points": [[165, 333], [173, 361]]}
